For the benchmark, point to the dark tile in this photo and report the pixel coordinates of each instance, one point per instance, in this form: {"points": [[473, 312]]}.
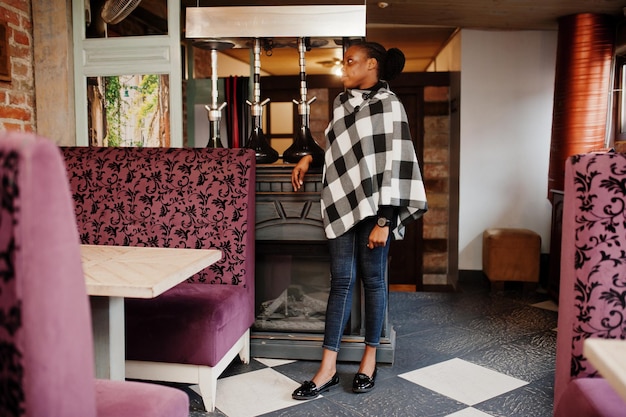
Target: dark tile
{"points": [[533, 400], [495, 329], [411, 354], [508, 325], [483, 304], [530, 358], [526, 297], [236, 367], [420, 316], [397, 397], [449, 341], [400, 301], [319, 407], [216, 413], [196, 405]]}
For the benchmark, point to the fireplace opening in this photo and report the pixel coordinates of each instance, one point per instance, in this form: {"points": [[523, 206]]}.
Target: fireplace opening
{"points": [[296, 281]]}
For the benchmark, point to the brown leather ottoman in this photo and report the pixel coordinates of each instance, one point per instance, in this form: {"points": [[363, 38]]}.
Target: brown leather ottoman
{"points": [[511, 255]]}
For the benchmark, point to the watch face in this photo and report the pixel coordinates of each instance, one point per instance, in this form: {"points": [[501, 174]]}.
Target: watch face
{"points": [[382, 222]]}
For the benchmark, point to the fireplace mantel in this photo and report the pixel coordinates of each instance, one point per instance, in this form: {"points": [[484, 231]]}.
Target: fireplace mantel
{"points": [[281, 213]]}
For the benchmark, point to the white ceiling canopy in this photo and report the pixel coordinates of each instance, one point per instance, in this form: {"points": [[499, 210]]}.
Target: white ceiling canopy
{"points": [[275, 21]]}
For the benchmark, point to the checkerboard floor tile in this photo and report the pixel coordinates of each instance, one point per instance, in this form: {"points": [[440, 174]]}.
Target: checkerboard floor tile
{"points": [[457, 355], [469, 412], [463, 381], [264, 391]]}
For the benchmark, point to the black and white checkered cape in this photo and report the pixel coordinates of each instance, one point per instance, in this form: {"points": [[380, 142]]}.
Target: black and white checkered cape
{"points": [[370, 161]]}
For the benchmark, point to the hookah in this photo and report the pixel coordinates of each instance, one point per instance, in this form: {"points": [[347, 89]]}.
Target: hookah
{"points": [[303, 143], [265, 154], [214, 110]]}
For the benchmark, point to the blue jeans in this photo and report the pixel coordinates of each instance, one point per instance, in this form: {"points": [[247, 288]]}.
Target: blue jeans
{"points": [[350, 258]]}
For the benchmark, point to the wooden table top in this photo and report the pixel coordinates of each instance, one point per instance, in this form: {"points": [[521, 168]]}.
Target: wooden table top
{"points": [[140, 272], [608, 356]]}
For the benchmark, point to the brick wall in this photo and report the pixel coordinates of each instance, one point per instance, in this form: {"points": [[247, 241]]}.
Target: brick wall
{"points": [[17, 96]]}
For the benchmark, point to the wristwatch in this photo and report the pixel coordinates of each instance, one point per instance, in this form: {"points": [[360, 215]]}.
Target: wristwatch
{"points": [[383, 222]]}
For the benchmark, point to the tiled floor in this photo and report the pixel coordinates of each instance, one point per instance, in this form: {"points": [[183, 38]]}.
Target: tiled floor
{"points": [[472, 353]]}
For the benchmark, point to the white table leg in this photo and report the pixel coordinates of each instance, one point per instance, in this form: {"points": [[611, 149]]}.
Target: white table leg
{"points": [[107, 315]]}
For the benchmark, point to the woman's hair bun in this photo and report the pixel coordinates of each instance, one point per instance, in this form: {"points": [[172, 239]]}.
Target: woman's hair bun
{"points": [[394, 64]]}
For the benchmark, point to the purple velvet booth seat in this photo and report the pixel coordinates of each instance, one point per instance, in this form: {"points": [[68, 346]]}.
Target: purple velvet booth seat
{"points": [[47, 362], [190, 198], [593, 281]]}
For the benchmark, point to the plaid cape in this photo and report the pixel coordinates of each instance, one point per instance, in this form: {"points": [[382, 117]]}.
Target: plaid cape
{"points": [[370, 161]]}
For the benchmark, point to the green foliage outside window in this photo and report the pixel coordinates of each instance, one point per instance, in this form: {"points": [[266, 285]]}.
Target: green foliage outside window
{"points": [[132, 109], [113, 100]]}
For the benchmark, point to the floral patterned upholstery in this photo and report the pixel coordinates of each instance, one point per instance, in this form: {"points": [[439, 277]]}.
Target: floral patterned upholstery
{"points": [[169, 198], [592, 300], [46, 347], [11, 370], [172, 197]]}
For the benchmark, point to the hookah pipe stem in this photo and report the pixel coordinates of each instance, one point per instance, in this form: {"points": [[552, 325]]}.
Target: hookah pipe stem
{"points": [[214, 92], [303, 105], [215, 111], [255, 106]]}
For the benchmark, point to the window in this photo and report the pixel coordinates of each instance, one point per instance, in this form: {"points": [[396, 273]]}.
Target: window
{"points": [[134, 57], [128, 110]]}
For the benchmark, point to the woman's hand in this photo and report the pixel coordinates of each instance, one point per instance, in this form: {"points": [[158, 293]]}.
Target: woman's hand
{"points": [[301, 168], [378, 237]]}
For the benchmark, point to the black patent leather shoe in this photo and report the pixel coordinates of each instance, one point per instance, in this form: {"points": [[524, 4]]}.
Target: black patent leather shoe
{"points": [[363, 383], [308, 390]]}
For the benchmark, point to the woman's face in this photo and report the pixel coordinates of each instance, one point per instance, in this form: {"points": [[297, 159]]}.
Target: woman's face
{"points": [[358, 70]]}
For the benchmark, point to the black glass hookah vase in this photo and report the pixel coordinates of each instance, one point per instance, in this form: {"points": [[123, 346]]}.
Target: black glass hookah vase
{"points": [[304, 143], [265, 154]]}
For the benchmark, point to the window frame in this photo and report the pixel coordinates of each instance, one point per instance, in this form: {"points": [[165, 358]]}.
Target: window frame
{"points": [[151, 54]]}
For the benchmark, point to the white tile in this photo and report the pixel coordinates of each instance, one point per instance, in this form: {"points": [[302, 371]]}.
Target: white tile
{"points": [[254, 393], [469, 412], [547, 305], [463, 381], [274, 362]]}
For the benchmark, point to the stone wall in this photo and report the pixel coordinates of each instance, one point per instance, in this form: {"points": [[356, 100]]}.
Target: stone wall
{"points": [[17, 95], [436, 167]]}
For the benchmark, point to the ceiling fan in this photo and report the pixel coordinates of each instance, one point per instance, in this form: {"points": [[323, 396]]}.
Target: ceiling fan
{"points": [[114, 11]]}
